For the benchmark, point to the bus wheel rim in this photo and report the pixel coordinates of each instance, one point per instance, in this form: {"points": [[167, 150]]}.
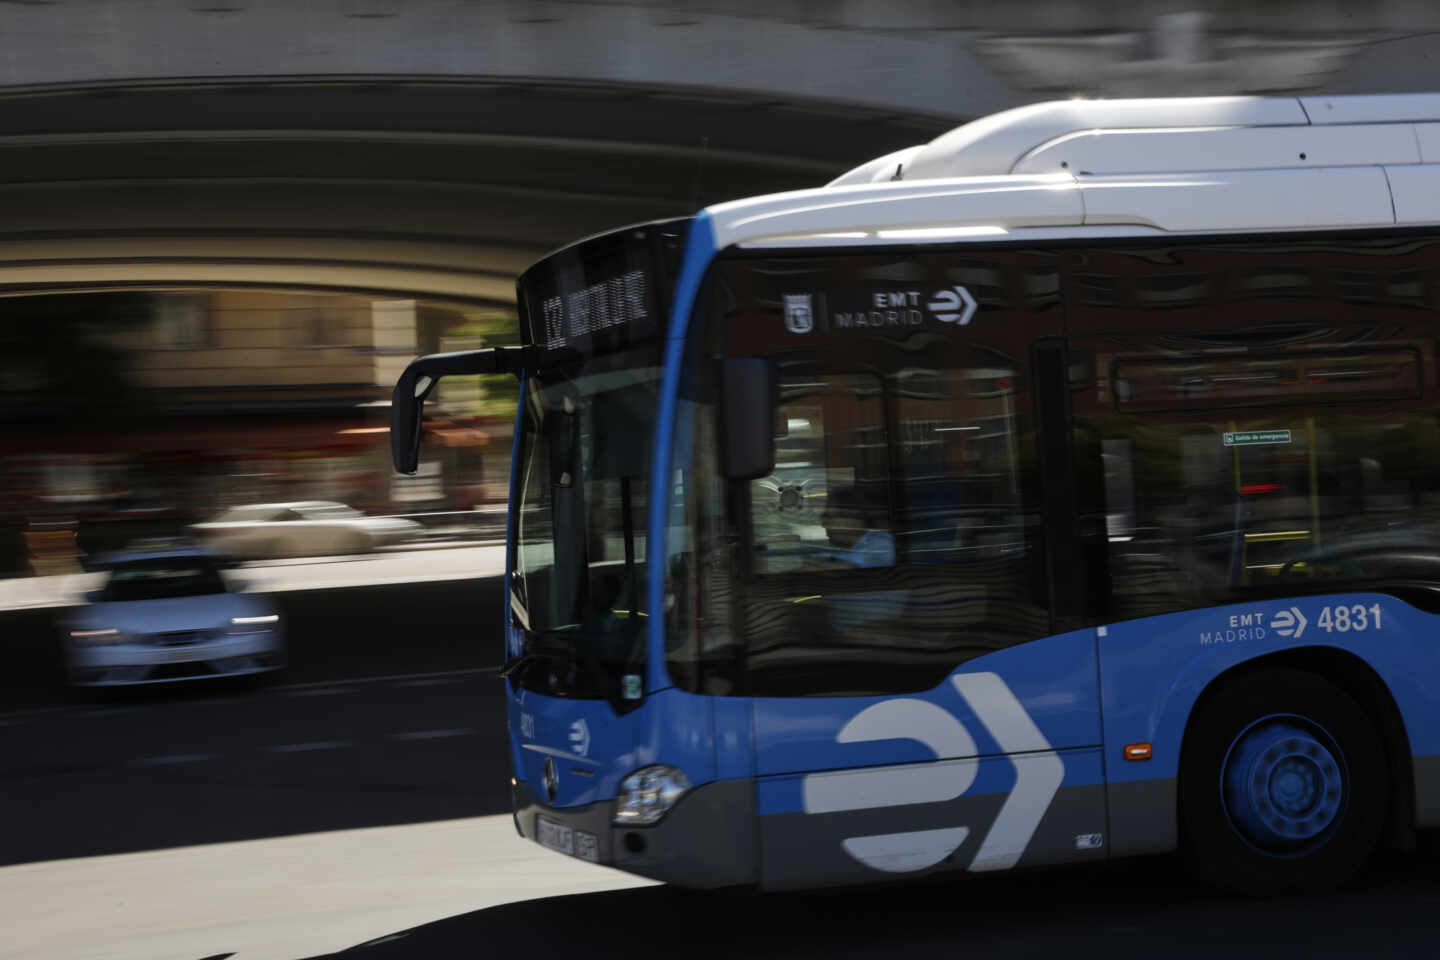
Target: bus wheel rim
{"points": [[1284, 785]]}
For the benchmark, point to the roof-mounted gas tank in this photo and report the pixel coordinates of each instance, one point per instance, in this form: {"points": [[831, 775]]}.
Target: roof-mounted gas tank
{"points": [[1184, 134]]}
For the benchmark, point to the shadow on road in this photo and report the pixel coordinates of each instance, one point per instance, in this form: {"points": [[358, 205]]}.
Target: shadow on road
{"points": [[1141, 908]]}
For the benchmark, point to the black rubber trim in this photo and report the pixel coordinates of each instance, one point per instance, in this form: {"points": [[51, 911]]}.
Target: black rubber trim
{"points": [[1063, 560]]}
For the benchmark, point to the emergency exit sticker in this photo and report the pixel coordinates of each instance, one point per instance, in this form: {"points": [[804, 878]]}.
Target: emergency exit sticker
{"points": [[1249, 438]]}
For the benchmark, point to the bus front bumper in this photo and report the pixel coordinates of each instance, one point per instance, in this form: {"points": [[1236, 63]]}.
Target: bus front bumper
{"points": [[707, 841]]}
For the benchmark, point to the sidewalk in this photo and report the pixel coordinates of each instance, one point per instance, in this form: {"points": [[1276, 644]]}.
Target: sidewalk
{"points": [[284, 897]]}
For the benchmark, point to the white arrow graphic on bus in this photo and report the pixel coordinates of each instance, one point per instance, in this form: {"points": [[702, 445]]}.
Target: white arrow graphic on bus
{"points": [[953, 306], [1037, 774], [1037, 777], [1290, 622], [580, 737]]}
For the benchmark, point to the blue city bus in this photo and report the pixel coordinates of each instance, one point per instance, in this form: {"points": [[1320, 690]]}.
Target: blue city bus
{"points": [[1023, 498]]}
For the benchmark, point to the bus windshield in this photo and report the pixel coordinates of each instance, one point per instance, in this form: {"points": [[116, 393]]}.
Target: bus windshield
{"points": [[578, 578], [595, 314]]}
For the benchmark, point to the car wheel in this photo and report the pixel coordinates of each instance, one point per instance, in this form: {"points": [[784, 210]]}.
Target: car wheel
{"points": [[1283, 785]]}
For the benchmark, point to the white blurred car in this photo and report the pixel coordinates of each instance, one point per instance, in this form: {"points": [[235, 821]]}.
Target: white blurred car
{"points": [[305, 528], [167, 615]]}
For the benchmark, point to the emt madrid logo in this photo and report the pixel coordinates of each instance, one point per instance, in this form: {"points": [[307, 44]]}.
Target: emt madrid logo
{"points": [[954, 305], [870, 309], [1038, 774]]}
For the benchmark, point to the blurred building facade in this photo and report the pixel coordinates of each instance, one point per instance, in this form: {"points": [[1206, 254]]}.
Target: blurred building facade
{"points": [[218, 398], [234, 160]]}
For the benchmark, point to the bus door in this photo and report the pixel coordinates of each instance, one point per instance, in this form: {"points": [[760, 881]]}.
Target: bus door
{"points": [[914, 705]]}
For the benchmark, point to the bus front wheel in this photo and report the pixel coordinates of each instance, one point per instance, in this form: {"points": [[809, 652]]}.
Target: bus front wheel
{"points": [[1283, 785]]}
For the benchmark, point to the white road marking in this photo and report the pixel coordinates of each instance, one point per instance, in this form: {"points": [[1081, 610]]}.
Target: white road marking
{"points": [[384, 678], [173, 759], [433, 734], [312, 745], [430, 682]]}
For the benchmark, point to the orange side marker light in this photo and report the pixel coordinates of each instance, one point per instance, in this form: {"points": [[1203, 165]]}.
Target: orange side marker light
{"points": [[1137, 751]]}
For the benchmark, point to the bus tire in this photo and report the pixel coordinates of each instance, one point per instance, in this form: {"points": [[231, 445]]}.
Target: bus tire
{"points": [[1283, 785]]}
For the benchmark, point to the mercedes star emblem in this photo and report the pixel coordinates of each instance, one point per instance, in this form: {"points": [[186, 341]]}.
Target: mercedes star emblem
{"points": [[552, 779]]}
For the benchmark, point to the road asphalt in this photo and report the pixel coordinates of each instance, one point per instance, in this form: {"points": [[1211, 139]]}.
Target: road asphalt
{"points": [[358, 807]]}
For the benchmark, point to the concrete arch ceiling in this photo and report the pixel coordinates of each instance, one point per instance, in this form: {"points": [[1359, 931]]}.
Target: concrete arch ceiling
{"points": [[398, 187]]}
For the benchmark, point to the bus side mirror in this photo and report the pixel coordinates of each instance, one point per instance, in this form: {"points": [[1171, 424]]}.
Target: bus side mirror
{"points": [[407, 404], [749, 397]]}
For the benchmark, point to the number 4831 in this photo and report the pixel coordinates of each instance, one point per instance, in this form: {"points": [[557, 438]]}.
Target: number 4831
{"points": [[1343, 619]]}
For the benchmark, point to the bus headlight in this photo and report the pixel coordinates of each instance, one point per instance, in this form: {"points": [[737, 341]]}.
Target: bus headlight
{"points": [[648, 794]]}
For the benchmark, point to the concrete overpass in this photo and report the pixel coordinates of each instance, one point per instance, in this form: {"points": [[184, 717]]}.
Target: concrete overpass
{"points": [[409, 147], [397, 187]]}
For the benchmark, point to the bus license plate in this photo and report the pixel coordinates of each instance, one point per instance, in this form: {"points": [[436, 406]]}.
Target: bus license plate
{"points": [[554, 835], [587, 847], [576, 843]]}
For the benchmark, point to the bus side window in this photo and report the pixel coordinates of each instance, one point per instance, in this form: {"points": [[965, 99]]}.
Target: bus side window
{"points": [[898, 536], [1270, 432], [898, 540], [827, 502]]}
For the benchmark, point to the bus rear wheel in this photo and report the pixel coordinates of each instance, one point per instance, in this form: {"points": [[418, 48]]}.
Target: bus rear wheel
{"points": [[1283, 785]]}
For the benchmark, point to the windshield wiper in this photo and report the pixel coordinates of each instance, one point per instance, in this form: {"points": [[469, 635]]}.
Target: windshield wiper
{"points": [[529, 654], [515, 664]]}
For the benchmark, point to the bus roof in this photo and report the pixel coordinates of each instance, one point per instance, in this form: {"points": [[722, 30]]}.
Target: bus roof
{"points": [[1127, 167], [1122, 136]]}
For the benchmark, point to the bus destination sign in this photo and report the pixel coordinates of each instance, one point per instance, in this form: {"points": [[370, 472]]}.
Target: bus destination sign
{"points": [[615, 302], [601, 295]]}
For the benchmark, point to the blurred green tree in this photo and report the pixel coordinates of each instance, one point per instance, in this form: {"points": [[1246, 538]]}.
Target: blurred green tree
{"points": [[481, 396]]}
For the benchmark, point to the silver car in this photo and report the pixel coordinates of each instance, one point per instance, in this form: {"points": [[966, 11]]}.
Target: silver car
{"points": [[304, 528], [167, 615]]}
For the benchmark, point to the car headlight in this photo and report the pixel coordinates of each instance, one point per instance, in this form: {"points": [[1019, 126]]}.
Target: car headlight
{"points": [[97, 638], [648, 794], [243, 625]]}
